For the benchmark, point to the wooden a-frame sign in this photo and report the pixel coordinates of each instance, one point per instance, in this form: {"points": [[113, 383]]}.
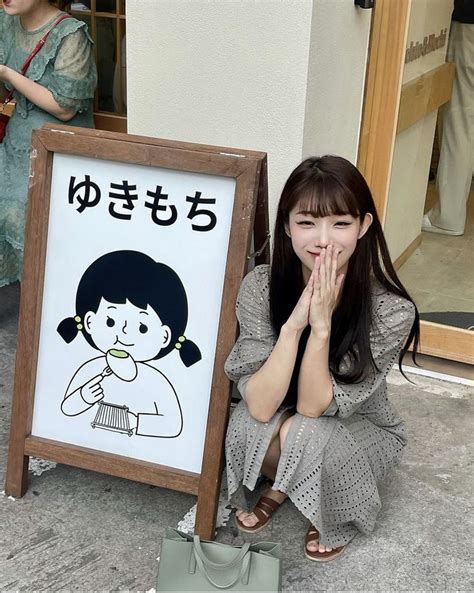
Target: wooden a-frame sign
{"points": [[249, 218]]}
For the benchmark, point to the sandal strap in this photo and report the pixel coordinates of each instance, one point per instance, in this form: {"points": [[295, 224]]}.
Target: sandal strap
{"points": [[268, 503], [262, 517], [312, 535], [265, 508]]}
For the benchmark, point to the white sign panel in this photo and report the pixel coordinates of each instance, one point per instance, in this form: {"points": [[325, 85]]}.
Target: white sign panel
{"points": [[133, 285]]}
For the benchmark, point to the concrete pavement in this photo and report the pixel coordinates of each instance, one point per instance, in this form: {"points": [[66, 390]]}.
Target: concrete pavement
{"points": [[76, 530]]}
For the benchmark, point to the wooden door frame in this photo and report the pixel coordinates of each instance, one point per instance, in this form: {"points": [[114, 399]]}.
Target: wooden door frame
{"points": [[388, 34], [382, 99], [104, 120]]}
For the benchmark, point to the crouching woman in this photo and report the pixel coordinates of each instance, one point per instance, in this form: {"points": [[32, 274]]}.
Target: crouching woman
{"points": [[319, 330]]}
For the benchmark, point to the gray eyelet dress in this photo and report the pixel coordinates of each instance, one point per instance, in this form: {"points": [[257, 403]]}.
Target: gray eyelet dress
{"points": [[329, 466]]}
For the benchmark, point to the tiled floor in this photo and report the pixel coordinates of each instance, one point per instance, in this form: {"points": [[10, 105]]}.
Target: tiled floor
{"points": [[440, 273]]}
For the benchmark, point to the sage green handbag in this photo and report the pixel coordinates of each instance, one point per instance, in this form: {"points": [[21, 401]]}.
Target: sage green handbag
{"points": [[189, 564]]}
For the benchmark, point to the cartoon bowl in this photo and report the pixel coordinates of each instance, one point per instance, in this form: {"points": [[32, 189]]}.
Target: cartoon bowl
{"points": [[121, 364]]}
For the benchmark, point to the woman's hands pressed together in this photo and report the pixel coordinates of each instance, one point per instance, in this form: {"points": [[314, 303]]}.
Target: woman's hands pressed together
{"points": [[327, 283], [319, 298], [315, 391], [315, 308], [299, 317]]}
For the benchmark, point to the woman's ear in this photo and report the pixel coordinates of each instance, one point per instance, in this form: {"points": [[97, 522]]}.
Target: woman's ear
{"points": [[364, 227], [88, 317], [287, 229], [166, 336]]}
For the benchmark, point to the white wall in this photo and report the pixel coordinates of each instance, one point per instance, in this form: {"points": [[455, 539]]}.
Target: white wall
{"points": [[282, 76], [413, 147], [336, 78]]}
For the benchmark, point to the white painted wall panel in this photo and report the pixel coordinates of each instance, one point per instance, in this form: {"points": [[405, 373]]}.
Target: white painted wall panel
{"points": [[336, 78], [282, 76]]}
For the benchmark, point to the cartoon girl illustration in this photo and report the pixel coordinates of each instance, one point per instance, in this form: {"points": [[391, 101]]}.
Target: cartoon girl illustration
{"points": [[133, 310]]}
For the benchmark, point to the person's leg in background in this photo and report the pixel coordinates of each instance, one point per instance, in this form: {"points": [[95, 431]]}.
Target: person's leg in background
{"points": [[457, 148]]}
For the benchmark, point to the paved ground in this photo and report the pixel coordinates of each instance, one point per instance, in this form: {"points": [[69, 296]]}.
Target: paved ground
{"points": [[82, 531]]}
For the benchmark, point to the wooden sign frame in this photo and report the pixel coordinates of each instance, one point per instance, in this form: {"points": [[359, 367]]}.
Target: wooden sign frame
{"points": [[250, 213]]}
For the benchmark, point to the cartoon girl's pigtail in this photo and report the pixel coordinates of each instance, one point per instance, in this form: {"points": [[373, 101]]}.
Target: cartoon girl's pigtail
{"points": [[69, 328], [188, 351]]}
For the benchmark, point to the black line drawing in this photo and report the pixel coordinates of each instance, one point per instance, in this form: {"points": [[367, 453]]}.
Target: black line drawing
{"points": [[112, 417], [133, 310]]}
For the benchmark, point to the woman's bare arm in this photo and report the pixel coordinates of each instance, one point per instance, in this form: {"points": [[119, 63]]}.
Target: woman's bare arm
{"points": [[315, 390], [34, 92], [267, 388], [314, 380]]}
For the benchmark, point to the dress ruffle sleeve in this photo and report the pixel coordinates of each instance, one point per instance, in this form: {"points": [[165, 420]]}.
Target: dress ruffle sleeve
{"points": [[257, 337], [393, 319], [66, 67], [74, 77]]}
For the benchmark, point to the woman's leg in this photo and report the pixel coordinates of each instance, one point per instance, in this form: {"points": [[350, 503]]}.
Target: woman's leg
{"points": [[269, 467], [312, 545]]}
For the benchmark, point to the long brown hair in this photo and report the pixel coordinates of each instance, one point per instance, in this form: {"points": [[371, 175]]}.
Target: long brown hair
{"points": [[323, 186]]}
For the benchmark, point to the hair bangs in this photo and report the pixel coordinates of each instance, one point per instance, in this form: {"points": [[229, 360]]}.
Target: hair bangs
{"points": [[326, 197]]}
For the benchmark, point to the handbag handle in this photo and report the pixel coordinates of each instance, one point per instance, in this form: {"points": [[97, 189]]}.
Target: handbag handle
{"points": [[243, 575], [36, 49], [219, 565], [204, 563]]}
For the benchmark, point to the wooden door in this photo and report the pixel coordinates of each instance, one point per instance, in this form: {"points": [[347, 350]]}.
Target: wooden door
{"points": [[391, 109]]}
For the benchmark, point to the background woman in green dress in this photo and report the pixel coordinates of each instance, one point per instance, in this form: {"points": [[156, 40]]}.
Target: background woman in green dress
{"points": [[58, 87]]}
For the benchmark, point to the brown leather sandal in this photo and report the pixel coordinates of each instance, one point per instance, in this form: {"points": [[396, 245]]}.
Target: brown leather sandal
{"points": [[263, 510], [312, 535]]}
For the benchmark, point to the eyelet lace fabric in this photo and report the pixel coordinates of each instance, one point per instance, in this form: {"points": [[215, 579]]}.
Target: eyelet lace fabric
{"points": [[330, 466], [66, 67]]}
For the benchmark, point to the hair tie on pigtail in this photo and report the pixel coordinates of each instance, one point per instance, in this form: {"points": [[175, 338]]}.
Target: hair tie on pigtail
{"points": [[180, 342], [188, 351], [69, 328]]}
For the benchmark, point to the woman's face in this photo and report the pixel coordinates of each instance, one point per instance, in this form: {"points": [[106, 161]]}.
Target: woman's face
{"points": [[309, 235], [140, 332], [22, 7]]}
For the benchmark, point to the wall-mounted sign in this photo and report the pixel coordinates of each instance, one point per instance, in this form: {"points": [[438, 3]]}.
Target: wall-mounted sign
{"points": [[430, 43]]}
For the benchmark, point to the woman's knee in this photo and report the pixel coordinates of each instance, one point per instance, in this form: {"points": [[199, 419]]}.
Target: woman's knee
{"points": [[284, 430], [316, 423], [237, 428]]}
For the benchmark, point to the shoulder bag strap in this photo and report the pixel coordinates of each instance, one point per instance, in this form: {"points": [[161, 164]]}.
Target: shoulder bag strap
{"points": [[37, 48]]}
